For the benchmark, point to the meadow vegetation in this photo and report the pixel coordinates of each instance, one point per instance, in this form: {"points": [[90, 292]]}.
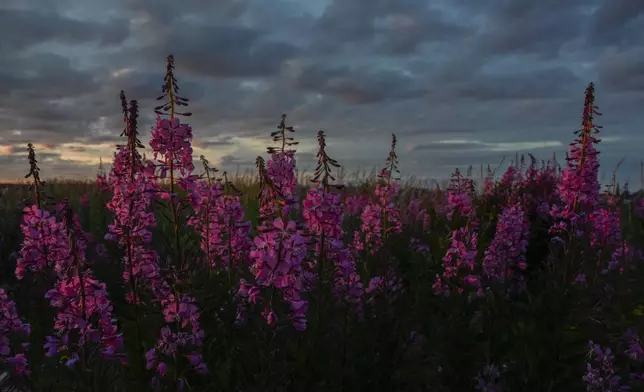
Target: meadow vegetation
{"points": [[167, 274]]}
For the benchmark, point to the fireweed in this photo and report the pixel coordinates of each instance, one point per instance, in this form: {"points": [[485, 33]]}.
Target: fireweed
{"points": [[505, 257], [42, 239], [131, 201], [280, 247], [171, 143], [488, 379], [380, 219], [601, 374], [537, 190], [607, 238], [355, 204], [382, 278], [460, 267], [10, 324], [205, 221], [83, 307], [286, 260], [133, 189], [417, 214], [281, 166], [323, 216], [219, 220], [278, 254], [579, 186], [42, 233], [416, 219]]}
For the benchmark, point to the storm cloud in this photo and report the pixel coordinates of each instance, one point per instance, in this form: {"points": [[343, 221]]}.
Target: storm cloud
{"points": [[460, 82]]}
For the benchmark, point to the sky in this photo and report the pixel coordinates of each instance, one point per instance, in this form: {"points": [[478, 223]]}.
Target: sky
{"points": [[459, 82]]}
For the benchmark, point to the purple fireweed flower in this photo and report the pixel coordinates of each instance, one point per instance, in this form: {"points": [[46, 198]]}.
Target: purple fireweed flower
{"points": [[387, 286], [635, 349], [10, 323], [219, 220], [278, 253], [416, 215], [601, 374], [323, 216], [133, 189], [185, 337], [43, 241], [580, 280], [370, 235], [354, 204], [19, 364], [75, 310], [418, 246], [206, 220], [323, 213], [512, 178], [606, 237], [505, 256], [132, 230], [579, 186], [459, 264], [606, 222], [459, 198], [82, 303], [380, 218], [280, 168], [488, 380], [171, 143]]}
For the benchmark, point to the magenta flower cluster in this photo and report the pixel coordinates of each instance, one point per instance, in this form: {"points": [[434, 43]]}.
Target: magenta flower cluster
{"points": [[323, 216], [281, 169], [579, 185], [10, 323], [505, 257], [380, 218], [278, 254], [171, 143], [459, 198], [134, 220], [459, 265], [219, 220], [43, 238], [182, 336], [84, 310], [601, 374], [460, 269]]}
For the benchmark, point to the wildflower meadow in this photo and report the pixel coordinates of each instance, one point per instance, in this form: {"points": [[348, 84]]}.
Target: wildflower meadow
{"points": [[169, 274]]}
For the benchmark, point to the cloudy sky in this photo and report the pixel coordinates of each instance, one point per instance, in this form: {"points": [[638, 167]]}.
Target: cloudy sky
{"points": [[461, 82]]}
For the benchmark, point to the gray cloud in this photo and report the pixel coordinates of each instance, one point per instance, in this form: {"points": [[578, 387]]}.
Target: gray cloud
{"points": [[485, 72], [358, 85], [231, 51], [614, 22], [393, 28], [622, 70], [549, 83], [22, 29]]}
